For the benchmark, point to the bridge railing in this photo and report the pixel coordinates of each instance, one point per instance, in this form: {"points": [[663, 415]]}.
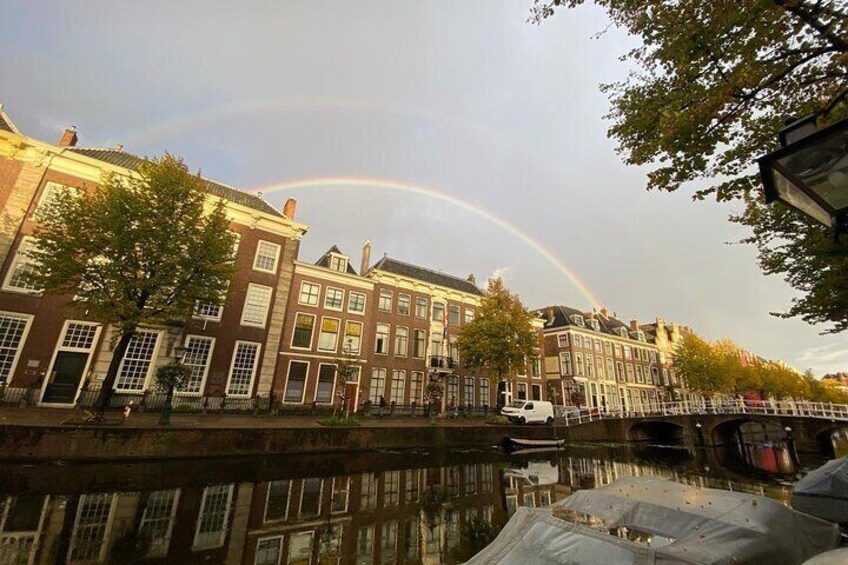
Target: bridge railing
{"points": [[570, 415]]}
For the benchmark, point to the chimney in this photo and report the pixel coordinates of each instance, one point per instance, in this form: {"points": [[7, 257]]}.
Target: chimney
{"points": [[550, 314], [604, 312], [590, 315], [289, 208], [366, 258], [472, 279], [69, 137], [634, 325]]}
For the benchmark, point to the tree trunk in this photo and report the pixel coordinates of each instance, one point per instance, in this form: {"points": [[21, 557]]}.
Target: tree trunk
{"points": [[108, 385]]}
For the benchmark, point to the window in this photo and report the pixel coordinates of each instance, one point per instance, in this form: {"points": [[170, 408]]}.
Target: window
{"points": [[416, 387], [608, 348], [639, 377], [256, 305], [157, 521], [326, 383], [389, 539], [329, 337], [421, 308], [578, 364], [338, 263], [483, 400], [404, 304], [599, 363], [610, 370], [378, 385], [243, 368], [310, 498], [266, 257], [356, 303], [302, 334], [652, 356], [590, 365], [453, 350], [577, 320], [353, 338], [420, 344], [277, 502], [535, 368], [296, 385], [469, 315], [208, 311], [268, 551], [595, 325], [562, 340], [577, 340], [453, 388], [655, 375], [13, 330], [198, 354], [522, 391], [368, 491], [385, 303], [536, 392], [339, 494], [618, 350], [22, 266], [90, 525], [627, 352], [137, 363], [623, 332], [640, 335], [438, 312], [629, 369], [597, 345], [401, 341], [453, 315], [365, 544], [397, 388], [334, 299], [309, 293], [565, 363], [381, 343], [469, 391], [49, 197], [214, 515], [619, 371]]}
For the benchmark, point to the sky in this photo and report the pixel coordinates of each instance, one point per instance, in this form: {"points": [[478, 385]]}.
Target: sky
{"points": [[460, 138]]}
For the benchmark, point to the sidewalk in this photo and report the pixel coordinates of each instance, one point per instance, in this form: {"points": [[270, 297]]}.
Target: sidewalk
{"points": [[45, 417]]}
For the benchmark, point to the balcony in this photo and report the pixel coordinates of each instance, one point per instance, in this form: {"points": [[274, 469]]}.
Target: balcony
{"points": [[438, 362]]}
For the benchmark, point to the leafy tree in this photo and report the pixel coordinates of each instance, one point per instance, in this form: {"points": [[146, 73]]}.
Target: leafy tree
{"points": [[501, 338], [713, 85], [823, 391], [707, 370], [170, 377], [135, 251], [346, 368]]}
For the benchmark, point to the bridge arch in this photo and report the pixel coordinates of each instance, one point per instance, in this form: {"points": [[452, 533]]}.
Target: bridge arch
{"points": [[659, 432]]}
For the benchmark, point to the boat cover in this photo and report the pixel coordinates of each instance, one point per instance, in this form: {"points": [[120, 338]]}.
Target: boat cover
{"points": [[824, 492], [675, 524]]}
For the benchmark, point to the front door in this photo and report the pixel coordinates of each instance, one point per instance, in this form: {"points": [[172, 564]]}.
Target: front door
{"points": [[65, 377]]}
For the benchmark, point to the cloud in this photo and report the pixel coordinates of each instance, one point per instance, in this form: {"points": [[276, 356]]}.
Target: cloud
{"points": [[825, 358]]}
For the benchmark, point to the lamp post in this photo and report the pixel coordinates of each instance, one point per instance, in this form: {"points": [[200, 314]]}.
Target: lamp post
{"points": [[809, 173]]}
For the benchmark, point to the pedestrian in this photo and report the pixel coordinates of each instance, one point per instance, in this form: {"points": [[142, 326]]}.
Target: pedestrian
{"points": [[382, 405], [127, 411]]}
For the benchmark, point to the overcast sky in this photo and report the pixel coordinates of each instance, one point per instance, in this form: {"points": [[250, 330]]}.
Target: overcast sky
{"points": [[464, 99]]}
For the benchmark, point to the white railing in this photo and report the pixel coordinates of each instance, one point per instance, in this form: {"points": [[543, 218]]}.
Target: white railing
{"points": [[570, 415]]}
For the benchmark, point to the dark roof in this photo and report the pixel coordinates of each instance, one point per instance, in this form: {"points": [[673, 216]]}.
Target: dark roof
{"points": [[426, 275], [562, 318], [324, 261], [4, 125], [133, 162]]}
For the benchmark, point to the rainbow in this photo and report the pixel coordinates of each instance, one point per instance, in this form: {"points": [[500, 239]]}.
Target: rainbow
{"points": [[352, 182]]}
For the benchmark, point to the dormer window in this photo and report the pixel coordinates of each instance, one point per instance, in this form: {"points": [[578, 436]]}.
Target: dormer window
{"points": [[595, 325], [576, 319], [640, 335], [623, 332], [338, 263]]}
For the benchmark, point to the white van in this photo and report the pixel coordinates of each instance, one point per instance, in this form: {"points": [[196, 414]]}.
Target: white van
{"points": [[529, 411]]}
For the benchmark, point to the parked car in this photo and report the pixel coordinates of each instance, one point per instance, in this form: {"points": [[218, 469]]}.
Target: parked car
{"points": [[529, 411]]}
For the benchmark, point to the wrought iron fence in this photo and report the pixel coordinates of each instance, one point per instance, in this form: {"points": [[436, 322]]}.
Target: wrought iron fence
{"points": [[17, 396]]}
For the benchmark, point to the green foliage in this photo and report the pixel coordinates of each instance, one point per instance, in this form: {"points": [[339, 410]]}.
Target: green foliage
{"points": [[172, 375], [137, 250], [713, 86], [476, 534], [497, 420], [501, 337], [824, 391], [339, 420], [706, 369]]}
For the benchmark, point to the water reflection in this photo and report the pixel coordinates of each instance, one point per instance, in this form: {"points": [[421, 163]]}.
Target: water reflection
{"points": [[411, 513]]}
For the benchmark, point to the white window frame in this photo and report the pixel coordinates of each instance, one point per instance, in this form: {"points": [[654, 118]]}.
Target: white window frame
{"points": [[405, 351], [26, 241], [256, 358], [383, 295], [562, 340], [566, 366], [150, 368], [311, 335], [265, 519], [344, 262], [276, 252], [364, 302], [195, 546], [305, 381], [307, 302], [401, 298], [340, 328], [60, 347], [201, 316], [205, 372], [327, 297], [49, 188], [27, 318], [387, 341], [261, 539], [266, 308], [358, 349], [318, 380]]}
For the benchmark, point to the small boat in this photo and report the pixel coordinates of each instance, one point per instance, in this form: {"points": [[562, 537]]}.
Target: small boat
{"points": [[649, 521], [823, 493], [522, 443]]}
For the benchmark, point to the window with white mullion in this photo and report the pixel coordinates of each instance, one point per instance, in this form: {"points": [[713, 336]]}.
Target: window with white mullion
{"points": [[13, 330], [90, 527], [157, 522], [267, 254], [243, 368], [213, 517], [137, 363], [208, 311], [197, 356], [256, 304], [79, 336], [22, 266], [49, 196]]}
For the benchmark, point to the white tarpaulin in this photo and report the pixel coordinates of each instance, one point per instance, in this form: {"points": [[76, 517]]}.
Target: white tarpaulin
{"points": [[824, 492], [645, 521]]}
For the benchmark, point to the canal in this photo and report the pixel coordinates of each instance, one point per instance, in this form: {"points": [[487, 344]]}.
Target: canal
{"points": [[370, 507]]}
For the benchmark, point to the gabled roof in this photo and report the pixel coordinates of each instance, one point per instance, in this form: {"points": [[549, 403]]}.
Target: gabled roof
{"points": [[6, 123], [562, 319], [126, 160], [324, 261], [426, 275]]}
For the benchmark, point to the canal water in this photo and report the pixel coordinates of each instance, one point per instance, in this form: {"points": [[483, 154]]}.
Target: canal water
{"points": [[370, 507]]}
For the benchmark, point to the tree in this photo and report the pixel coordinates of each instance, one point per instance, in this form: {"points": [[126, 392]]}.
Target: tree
{"points": [[346, 368], [824, 391], [170, 377], [713, 86], [501, 338], [136, 250], [707, 370]]}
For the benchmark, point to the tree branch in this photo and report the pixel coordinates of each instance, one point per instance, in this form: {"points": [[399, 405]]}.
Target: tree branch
{"points": [[797, 10]]}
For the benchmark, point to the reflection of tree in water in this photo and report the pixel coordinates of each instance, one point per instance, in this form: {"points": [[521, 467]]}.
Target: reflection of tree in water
{"points": [[476, 533]]}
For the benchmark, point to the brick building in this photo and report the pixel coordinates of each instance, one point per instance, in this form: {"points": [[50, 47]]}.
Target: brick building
{"points": [[599, 360], [55, 354]]}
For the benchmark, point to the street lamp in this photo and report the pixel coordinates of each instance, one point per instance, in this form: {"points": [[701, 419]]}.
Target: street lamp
{"points": [[809, 173]]}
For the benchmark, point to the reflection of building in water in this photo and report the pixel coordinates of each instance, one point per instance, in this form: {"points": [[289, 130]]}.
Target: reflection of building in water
{"points": [[534, 486], [839, 441], [21, 522], [765, 446]]}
